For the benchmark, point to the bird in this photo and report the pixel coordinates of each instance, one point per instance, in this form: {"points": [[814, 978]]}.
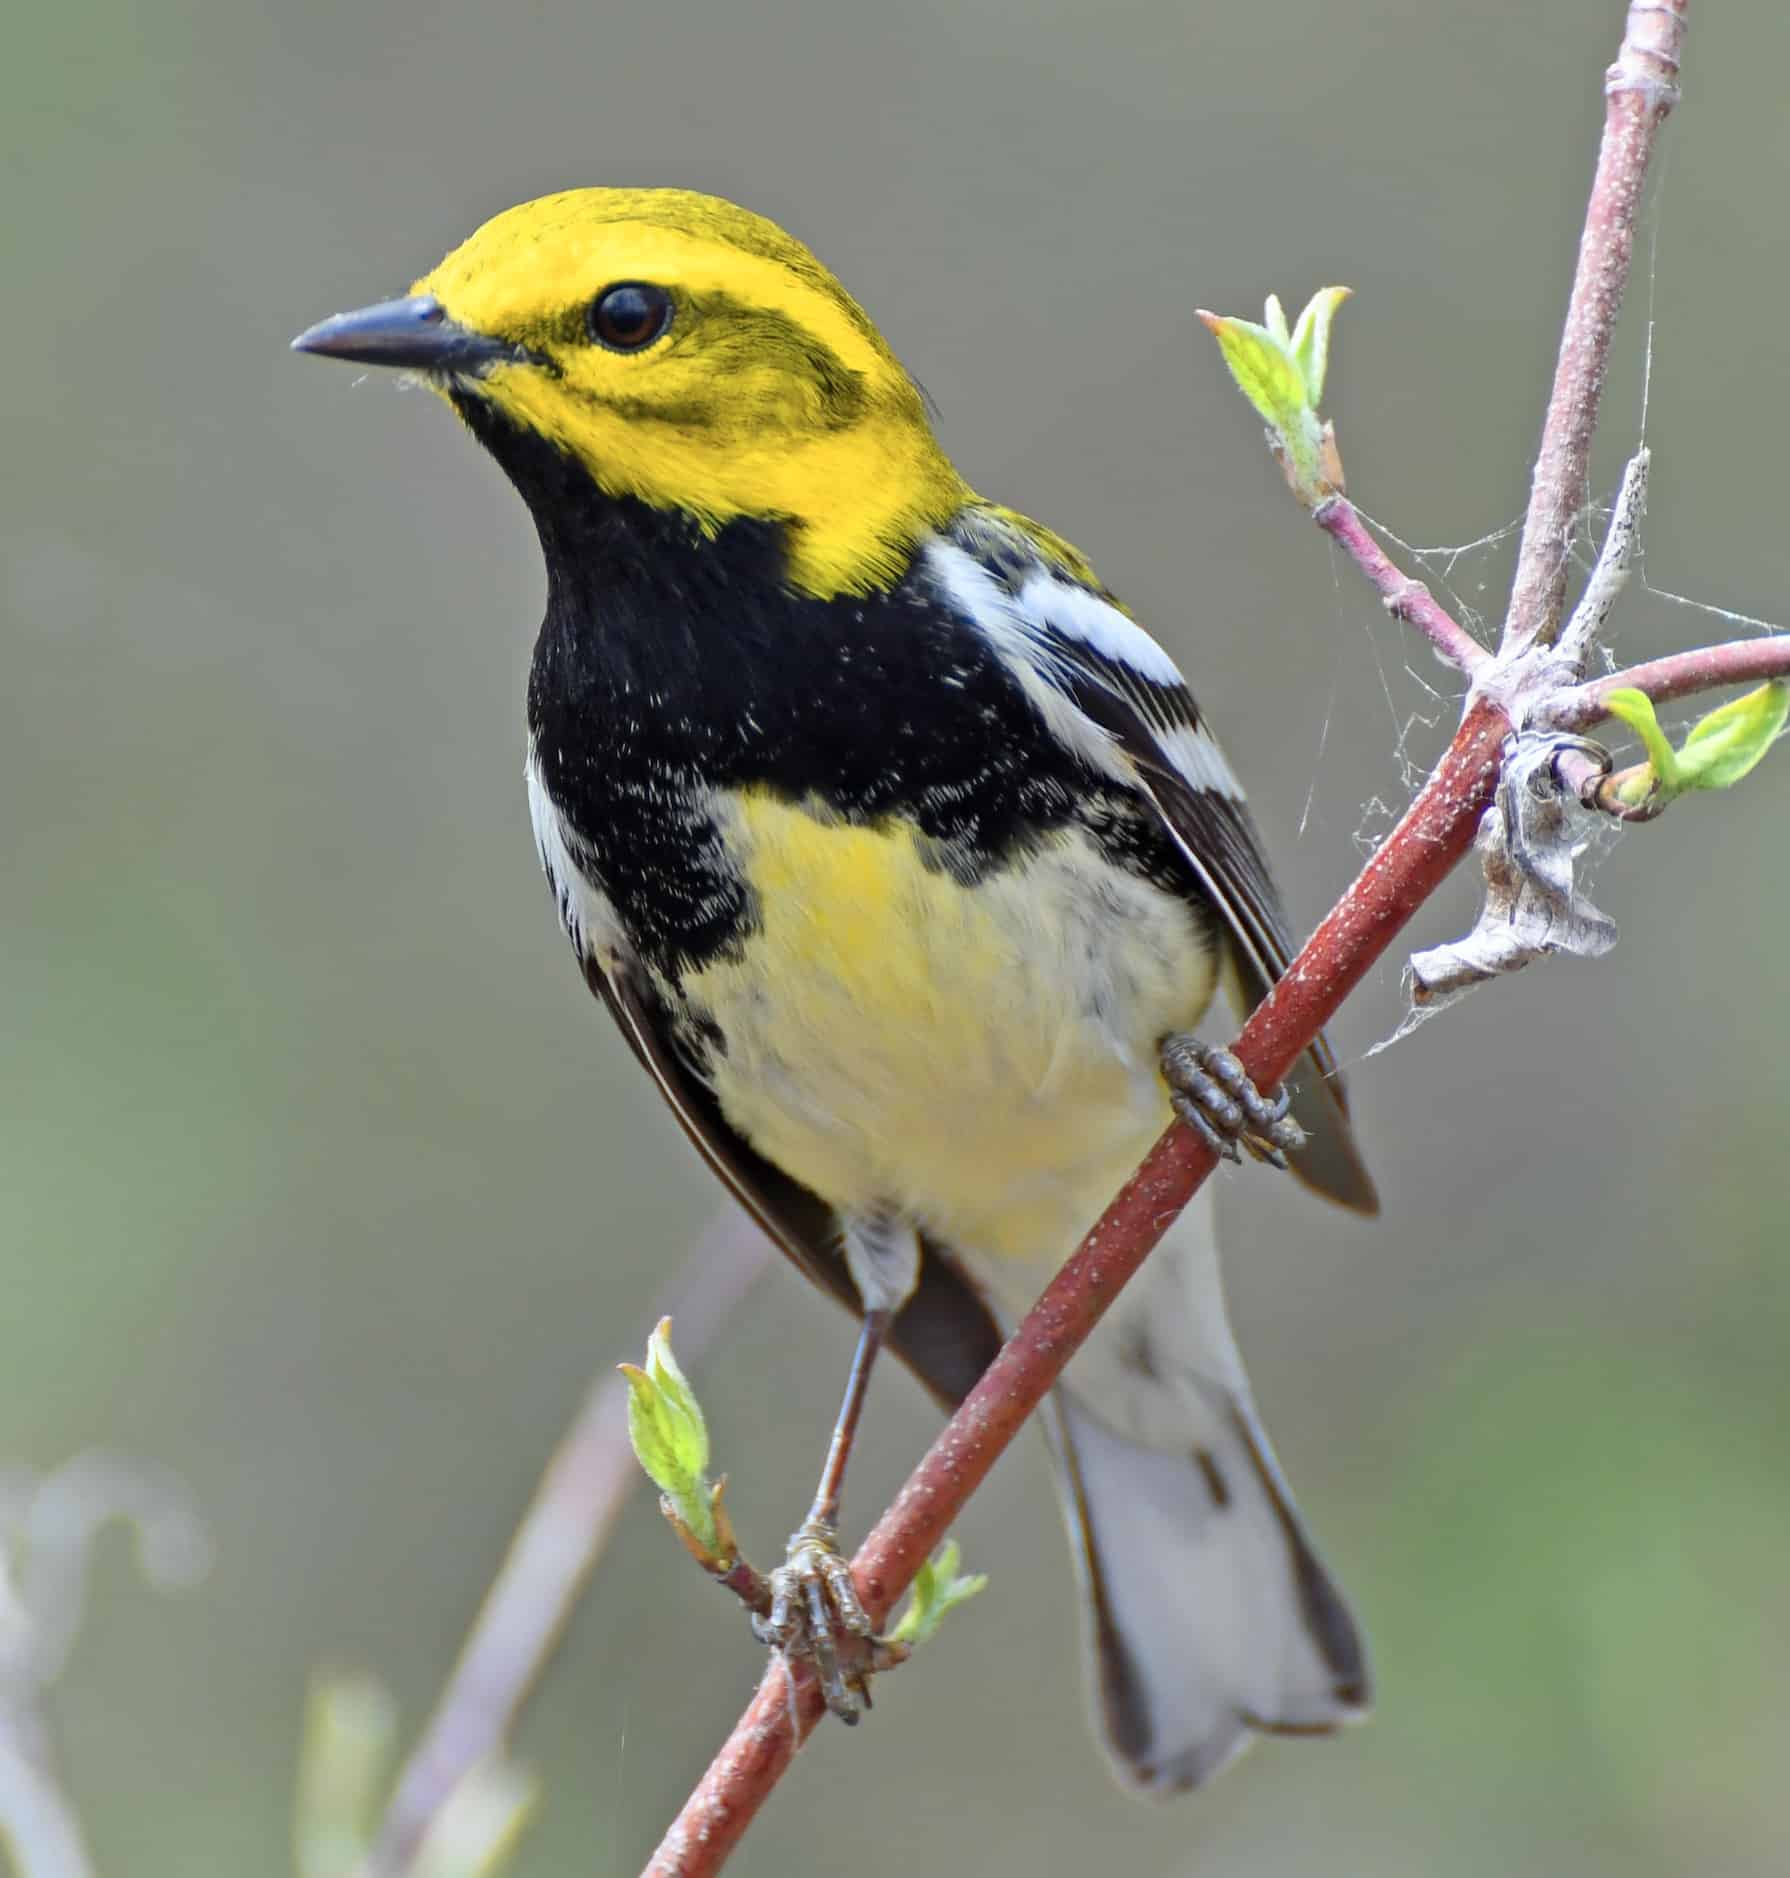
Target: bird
{"points": [[908, 866]]}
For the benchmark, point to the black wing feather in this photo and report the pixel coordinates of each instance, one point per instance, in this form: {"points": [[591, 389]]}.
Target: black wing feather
{"points": [[1214, 832]]}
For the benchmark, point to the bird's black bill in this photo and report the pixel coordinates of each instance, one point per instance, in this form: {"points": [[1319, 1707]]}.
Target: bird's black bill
{"points": [[414, 332]]}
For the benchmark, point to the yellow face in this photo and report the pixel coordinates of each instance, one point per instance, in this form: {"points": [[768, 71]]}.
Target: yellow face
{"points": [[694, 356]]}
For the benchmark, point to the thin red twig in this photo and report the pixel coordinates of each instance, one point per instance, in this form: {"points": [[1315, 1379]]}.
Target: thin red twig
{"points": [[1405, 599], [1708, 668], [1640, 90]]}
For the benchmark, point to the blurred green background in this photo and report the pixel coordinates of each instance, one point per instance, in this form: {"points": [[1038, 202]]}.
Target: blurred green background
{"points": [[322, 1179]]}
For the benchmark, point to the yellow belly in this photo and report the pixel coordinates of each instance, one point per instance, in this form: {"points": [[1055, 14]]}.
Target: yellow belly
{"points": [[981, 1058]]}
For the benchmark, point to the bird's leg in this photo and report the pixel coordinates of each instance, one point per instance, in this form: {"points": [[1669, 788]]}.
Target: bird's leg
{"points": [[814, 1604], [825, 1510], [813, 1600], [1214, 1096]]}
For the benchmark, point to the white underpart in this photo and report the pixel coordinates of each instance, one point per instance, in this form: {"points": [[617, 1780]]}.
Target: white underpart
{"points": [[883, 1256], [584, 909]]}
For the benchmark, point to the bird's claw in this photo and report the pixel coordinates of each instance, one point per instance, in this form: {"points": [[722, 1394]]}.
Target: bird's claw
{"points": [[1214, 1096], [816, 1614]]}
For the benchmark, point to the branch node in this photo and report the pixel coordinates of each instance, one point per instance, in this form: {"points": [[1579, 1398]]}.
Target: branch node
{"points": [[1535, 686], [1647, 62], [1661, 94], [1406, 599], [1604, 794], [1528, 844]]}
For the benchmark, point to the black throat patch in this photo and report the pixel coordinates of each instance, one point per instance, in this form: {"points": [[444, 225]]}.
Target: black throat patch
{"points": [[672, 664]]}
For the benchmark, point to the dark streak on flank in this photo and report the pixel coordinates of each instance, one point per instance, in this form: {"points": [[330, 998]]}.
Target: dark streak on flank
{"points": [[1136, 1354], [1216, 1484]]}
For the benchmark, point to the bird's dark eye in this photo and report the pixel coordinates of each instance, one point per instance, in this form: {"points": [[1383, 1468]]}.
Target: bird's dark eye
{"points": [[628, 316]]}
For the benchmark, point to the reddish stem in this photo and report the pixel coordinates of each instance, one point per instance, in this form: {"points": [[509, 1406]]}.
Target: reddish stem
{"points": [[1708, 668], [1641, 89], [1435, 832], [1405, 599]]}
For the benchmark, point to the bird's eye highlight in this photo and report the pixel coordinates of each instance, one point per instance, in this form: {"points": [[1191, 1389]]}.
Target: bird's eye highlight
{"points": [[628, 316]]}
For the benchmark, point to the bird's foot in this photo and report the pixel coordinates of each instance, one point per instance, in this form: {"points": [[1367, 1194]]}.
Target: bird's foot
{"points": [[1214, 1096], [817, 1616]]}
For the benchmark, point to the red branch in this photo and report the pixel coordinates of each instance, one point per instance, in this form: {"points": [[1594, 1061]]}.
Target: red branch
{"points": [[1431, 838], [1641, 89], [1434, 834], [1708, 668]]}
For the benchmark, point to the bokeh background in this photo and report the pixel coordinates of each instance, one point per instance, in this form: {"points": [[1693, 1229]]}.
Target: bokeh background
{"points": [[322, 1180]]}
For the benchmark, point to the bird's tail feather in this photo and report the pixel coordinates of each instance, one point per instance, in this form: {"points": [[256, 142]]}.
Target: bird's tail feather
{"points": [[1210, 1617]]}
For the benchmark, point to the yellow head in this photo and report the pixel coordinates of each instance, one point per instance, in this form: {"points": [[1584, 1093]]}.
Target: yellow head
{"points": [[686, 353]]}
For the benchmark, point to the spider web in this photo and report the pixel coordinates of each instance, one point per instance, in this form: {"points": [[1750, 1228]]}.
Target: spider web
{"points": [[1472, 579], [1420, 706]]}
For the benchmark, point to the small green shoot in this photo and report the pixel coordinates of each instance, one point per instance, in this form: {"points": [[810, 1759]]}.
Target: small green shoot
{"points": [[1282, 372], [344, 1761], [671, 1439], [480, 1824], [344, 1769], [1719, 750], [937, 1592]]}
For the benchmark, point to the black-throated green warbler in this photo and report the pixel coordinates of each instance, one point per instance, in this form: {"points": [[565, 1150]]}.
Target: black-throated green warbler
{"points": [[899, 852]]}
